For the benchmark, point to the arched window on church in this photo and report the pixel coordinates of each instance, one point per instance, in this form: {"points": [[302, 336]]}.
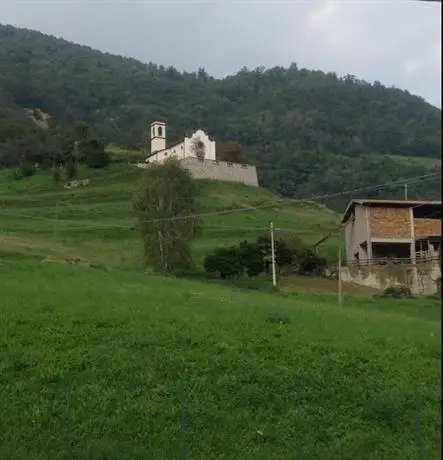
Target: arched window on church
{"points": [[160, 131], [153, 132]]}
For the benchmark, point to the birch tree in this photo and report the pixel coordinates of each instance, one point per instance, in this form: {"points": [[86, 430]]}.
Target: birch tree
{"points": [[164, 206]]}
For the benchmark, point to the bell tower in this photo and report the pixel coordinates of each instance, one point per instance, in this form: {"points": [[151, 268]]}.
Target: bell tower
{"points": [[158, 136]]}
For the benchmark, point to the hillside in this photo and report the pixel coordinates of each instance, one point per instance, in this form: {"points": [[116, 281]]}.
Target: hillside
{"points": [[308, 132], [109, 364], [97, 222]]}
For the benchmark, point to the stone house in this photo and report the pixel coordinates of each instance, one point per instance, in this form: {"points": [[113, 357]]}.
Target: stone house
{"points": [[393, 243], [378, 229]]}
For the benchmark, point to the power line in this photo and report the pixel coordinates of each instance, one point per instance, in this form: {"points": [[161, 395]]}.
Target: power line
{"points": [[287, 201]]}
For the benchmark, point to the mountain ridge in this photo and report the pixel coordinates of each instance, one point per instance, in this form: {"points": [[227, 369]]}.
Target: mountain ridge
{"points": [[293, 123]]}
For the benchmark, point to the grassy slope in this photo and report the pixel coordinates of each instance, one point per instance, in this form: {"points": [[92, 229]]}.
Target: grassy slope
{"points": [[96, 359], [95, 222], [417, 161], [327, 383]]}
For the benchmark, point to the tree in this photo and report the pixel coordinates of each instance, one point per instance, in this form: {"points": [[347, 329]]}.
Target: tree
{"points": [[294, 123], [164, 206], [251, 258], [70, 169], [56, 175], [232, 152], [81, 131], [198, 148], [284, 255], [307, 262], [93, 152]]}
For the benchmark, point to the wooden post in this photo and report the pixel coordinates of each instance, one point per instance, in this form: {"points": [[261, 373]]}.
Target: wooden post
{"points": [[274, 275], [340, 287]]}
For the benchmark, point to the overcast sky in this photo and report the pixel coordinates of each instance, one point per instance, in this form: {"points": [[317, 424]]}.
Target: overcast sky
{"points": [[396, 42]]}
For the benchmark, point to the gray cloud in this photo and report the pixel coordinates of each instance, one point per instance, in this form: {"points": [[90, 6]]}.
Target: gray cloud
{"points": [[396, 42]]}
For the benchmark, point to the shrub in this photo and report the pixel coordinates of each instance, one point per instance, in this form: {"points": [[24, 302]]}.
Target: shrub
{"points": [[26, 169], [97, 159], [309, 262], [251, 258], [226, 262], [255, 258], [92, 152], [284, 255], [397, 292]]}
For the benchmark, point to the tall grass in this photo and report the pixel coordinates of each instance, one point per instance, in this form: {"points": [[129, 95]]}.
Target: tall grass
{"points": [[113, 364]]}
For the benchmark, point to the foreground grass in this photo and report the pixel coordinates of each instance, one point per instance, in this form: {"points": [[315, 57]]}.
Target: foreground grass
{"points": [[116, 365]]}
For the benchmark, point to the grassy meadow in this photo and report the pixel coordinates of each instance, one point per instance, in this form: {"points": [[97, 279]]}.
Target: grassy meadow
{"points": [[97, 222], [110, 362]]}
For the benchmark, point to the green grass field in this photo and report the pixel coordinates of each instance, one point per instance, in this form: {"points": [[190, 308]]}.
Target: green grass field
{"points": [[109, 362], [417, 161]]}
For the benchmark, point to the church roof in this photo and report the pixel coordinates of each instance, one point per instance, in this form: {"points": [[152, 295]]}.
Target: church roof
{"points": [[162, 150]]}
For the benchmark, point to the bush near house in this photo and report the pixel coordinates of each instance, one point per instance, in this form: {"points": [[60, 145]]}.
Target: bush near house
{"points": [[254, 258], [225, 262], [397, 292]]}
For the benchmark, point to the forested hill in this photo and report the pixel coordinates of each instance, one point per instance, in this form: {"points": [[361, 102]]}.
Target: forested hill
{"points": [[309, 132]]}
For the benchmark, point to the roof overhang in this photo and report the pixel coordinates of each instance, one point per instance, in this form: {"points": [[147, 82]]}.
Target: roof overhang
{"points": [[386, 203]]}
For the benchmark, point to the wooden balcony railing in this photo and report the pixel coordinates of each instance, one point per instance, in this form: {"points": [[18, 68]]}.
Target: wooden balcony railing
{"points": [[390, 261]]}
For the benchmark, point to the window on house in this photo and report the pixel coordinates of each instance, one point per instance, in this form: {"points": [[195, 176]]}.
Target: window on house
{"points": [[426, 211]]}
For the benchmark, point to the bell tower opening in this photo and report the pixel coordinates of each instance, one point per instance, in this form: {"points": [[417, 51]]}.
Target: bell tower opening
{"points": [[158, 136]]}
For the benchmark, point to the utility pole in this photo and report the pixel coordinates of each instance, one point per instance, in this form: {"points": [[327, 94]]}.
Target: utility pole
{"points": [[406, 191], [56, 219], [340, 287], [274, 276]]}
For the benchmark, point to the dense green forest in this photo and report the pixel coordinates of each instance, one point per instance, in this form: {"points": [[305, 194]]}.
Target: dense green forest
{"points": [[309, 132]]}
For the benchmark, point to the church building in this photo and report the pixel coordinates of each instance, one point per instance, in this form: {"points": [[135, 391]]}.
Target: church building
{"points": [[197, 154], [197, 146]]}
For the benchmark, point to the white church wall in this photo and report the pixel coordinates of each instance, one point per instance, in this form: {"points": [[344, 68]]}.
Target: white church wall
{"points": [[208, 168], [210, 150], [177, 151]]}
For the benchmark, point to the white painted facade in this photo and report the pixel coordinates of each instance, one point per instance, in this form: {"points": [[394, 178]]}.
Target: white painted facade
{"points": [[201, 166], [182, 150]]}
